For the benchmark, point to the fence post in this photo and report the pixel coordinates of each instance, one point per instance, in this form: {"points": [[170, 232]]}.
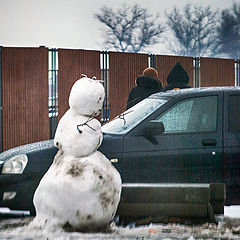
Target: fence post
{"points": [[1, 123], [152, 60], [104, 72], [53, 97], [237, 72], [197, 82]]}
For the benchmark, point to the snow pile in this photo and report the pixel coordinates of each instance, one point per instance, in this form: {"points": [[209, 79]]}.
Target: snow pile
{"points": [[232, 211], [81, 190], [18, 229]]}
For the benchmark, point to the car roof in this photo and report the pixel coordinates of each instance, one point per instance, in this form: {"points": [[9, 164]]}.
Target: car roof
{"points": [[192, 91]]}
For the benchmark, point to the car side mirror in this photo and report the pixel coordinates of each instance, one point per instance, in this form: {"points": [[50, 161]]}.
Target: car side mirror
{"points": [[153, 128]]}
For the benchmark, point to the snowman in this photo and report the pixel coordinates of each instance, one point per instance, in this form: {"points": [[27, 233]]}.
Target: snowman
{"points": [[81, 190]]}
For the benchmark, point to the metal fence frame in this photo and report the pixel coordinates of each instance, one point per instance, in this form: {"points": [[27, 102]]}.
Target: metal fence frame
{"points": [[152, 60], [104, 62], [53, 90], [237, 72], [196, 66]]}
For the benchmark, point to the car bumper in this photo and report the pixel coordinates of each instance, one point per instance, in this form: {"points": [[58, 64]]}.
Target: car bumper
{"points": [[6, 212], [16, 192]]}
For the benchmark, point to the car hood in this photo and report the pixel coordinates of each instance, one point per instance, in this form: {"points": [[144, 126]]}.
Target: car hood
{"points": [[36, 146], [26, 149]]}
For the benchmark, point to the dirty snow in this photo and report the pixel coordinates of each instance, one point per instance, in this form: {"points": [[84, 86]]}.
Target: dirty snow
{"points": [[228, 227]]}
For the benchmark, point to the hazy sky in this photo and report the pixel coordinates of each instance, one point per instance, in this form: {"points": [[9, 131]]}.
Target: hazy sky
{"points": [[69, 23]]}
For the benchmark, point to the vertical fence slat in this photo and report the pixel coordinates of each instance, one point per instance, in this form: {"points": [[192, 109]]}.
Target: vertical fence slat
{"points": [[123, 70], [164, 64], [73, 63], [25, 95], [217, 72]]}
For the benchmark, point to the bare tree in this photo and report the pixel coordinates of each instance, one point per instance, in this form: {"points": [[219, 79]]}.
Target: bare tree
{"points": [[129, 29], [193, 30], [229, 31]]}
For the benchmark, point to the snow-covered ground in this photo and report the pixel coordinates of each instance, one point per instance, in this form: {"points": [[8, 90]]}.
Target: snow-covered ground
{"points": [[228, 227], [232, 211]]}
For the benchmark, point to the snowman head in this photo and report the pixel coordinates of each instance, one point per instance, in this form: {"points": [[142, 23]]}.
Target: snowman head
{"points": [[86, 97]]}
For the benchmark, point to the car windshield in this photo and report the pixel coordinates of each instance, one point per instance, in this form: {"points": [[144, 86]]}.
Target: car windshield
{"points": [[131, 117]]}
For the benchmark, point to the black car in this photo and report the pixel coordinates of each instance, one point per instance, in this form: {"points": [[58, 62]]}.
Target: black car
{"points": [[180, 136]]}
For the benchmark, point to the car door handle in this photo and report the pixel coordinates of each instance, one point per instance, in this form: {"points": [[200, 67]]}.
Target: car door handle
{"points": [[209, 142]]}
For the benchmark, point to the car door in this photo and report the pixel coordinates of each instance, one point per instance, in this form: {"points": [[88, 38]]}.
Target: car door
{"points": [[232, 146], [190, 148]]}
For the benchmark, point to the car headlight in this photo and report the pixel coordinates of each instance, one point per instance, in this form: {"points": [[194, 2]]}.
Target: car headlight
{"points": [[15, 164]]}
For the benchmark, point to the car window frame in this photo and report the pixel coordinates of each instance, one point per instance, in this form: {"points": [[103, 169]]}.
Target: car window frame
{"points": [[229, 130], [175, 99], [185, 100], [136, 126]]}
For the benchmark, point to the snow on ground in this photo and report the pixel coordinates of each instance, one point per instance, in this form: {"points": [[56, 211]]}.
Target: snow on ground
{"points": [[228, 227], [232, 211]]}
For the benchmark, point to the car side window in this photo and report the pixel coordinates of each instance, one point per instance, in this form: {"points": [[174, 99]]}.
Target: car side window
{"points": [[234, 116], [191, 115]]}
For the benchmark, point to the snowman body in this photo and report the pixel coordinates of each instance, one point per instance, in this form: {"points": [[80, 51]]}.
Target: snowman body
{"points": [[78, 135], [81, 190]]}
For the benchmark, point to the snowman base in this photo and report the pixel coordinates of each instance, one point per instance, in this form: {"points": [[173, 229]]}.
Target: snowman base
{"points": [[78, 194]]}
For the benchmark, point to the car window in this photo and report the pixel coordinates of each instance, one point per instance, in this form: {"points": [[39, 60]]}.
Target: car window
{"points": [[191, 115], [234, 116], [133, 116]]}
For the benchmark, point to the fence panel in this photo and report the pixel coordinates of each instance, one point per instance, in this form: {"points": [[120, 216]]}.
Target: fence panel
{"points": [[71, 64], [217, 72], [164, 64], [123, 70], [24, 96]]}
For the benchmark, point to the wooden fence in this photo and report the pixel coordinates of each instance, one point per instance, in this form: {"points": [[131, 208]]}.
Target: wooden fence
{"points": [[123, 70], [24, 115], [217, 72], [24, 80], [72, 64]]}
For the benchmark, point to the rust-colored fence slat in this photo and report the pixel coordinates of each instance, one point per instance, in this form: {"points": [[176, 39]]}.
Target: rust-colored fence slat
{"points": [[24, 95], [164, 64], [124, 68], [217, 72], [72, 64]]}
